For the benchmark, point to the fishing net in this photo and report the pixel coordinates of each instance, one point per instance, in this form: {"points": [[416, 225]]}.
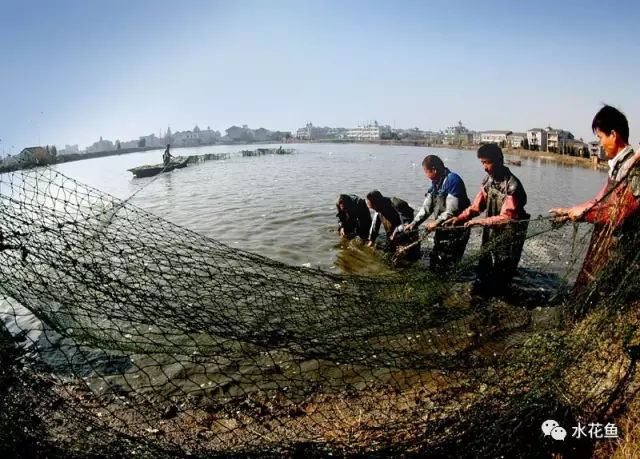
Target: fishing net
{"points": [[127, 334]]}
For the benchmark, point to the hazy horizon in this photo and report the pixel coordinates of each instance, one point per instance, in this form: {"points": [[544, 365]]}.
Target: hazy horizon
{"points": [[75, 71]]}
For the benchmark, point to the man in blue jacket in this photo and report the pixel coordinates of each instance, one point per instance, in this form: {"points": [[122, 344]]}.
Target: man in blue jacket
{"points": [[446, 198]]}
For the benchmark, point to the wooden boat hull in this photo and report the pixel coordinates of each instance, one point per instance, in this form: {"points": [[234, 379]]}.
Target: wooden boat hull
{"points": [[149, 171]]}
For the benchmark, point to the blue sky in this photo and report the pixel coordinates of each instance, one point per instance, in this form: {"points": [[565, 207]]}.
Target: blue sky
{"points": [[72, 71]]}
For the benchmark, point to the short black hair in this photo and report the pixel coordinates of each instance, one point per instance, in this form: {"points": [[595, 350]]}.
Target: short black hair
{"points": [[611, 119], [492, 152], [374, 197], [433, 162]]}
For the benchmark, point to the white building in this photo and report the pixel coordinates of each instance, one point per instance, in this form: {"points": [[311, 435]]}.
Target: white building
{"points": [[516, 139], [129, 144], [312, 132], [101, 145], [595, 150], [557, 140], [494, 137], [69, 149], [151, 141], [537, 139], [368, 132]]}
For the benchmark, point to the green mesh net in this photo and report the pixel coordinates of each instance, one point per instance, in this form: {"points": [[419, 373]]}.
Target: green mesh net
{"points": [[127, 334]]}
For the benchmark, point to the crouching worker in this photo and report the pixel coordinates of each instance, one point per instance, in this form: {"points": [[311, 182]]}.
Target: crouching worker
{"points": [[353, 216], [393, 214], [446, 198], [505, 226]]}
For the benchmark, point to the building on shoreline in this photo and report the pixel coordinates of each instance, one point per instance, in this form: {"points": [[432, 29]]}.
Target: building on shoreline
{"points": [[369, 132], [537, 139], [596, 151], [499, 137], [557, 140], [517, 140], [310, 132], [246, 134], [577, 148], [101, 145], [69, 149], [192, 138], [458, 135]]}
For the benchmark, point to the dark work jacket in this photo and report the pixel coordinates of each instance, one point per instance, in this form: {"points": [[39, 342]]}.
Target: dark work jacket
{"points": [[390, 213], [355, 218]]}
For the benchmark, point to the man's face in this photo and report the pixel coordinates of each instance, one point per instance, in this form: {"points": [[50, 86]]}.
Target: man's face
{"points": [[341, 207], [431, 173], [608, 143], [489, 167], [370, 205]]}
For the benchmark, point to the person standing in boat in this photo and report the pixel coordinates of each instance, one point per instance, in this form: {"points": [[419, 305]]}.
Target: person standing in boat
{"points": [[446, 198], [615, 211], [505, 226], [166, 157], [392, 214], [354, 217]]}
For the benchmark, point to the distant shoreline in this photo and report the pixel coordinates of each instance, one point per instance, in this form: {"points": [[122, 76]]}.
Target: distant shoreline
{"points": [[103, 154], [541, 155]]}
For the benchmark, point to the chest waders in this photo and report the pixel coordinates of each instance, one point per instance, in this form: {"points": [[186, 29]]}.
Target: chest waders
{"points": [[401, 239], [448, 244], [501, 247], [613, 250]]}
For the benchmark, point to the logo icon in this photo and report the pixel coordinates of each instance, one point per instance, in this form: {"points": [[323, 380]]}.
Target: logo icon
{"points": [[548, 426], [558, 433]]}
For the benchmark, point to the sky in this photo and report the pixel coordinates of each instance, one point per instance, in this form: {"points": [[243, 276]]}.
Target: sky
{"points": [[72, 71]]}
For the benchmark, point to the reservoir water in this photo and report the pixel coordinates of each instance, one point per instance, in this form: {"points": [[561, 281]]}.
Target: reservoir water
{"points": [[283, 206]]}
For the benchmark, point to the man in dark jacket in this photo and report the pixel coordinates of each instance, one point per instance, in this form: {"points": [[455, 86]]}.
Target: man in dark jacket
{"points": [[354, 217], [166, 156], [446, 198], [392, 214], [505, 226]]}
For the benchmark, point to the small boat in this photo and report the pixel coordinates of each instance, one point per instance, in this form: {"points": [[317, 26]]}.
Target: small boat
{"points": [[514, 162], [150, 170]]}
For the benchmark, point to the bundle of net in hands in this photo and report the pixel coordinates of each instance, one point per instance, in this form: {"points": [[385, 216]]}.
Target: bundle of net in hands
{"points": [[125, 333]]}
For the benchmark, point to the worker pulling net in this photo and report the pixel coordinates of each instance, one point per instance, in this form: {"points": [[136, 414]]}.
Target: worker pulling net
{"points": [[124, 332]]}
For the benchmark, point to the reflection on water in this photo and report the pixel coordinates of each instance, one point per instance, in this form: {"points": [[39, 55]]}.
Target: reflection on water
{"points": [[283, 207]]}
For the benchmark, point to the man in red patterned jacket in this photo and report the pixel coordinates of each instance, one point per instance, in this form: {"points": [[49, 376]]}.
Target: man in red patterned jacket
{"points": [[505, 226], [615, 210]]}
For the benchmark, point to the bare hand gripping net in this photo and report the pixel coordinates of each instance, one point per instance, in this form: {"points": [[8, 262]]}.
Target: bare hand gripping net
{"points": [[124, 333]]}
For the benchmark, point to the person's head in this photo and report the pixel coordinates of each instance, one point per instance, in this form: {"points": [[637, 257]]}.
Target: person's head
{"points": [[374, 199], [168, 145], [612, 128], [490, 155], [433, 166], [343, 202]]}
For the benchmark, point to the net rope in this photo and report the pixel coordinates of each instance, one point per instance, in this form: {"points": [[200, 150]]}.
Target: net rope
{"points": [[124, 332]]}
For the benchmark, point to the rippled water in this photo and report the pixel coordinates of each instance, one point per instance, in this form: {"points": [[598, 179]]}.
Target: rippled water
{"points": [[283, 206]]}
